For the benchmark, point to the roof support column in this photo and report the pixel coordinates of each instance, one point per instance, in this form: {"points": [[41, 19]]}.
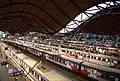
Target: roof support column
{"points": [[59, 48]]}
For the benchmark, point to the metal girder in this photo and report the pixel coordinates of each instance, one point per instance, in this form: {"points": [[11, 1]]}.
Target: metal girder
{"points": [[101, 11], [21, 16]]}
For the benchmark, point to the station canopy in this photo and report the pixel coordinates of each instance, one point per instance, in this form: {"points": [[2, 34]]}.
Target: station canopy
{"points": [[44, 16], [100, 19], [105, 21]]}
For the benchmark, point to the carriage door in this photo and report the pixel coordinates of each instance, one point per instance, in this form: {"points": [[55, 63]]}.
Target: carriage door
{"points": [[68, 64]]}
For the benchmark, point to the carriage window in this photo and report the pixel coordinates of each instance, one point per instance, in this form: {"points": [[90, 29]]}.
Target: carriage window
{"points": [[99, 58], [59, 60], [23, 64], [26, 65], [33, 72], [55, 58], [37, 76], [111, 78], [85, 68], [42, 79], [94, 57], [77, 66], [66, 62], [106, 60], [63, 61], [94, 71], [72, 64], [117, 79], [80, 54], [16, 57], [118, 62], [52, 57], [88, 56], [98, 73], [20, 62], [63, 50], [88, 70], [114, 61], [82, 68], [84, 55], [103, 59], [30, 70]]}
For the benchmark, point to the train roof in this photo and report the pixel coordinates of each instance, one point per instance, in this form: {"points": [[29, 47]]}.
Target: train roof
{"points": [[102, 56], [93, 54], [95, 66], [102, 68], [98, 55], [48, 52], [42, 50], [3, 45], [51, 75], [28, 60], [71, 59]]}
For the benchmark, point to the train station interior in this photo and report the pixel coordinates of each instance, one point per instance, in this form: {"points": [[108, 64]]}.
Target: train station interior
{"points": [[60, 40]]}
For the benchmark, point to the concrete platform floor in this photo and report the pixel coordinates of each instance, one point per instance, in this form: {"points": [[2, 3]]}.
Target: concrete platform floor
{"points": [[4, 76]]}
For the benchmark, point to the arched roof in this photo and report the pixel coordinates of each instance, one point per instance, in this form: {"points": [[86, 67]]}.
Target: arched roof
{"points": [[103, 22], [45, 16]]}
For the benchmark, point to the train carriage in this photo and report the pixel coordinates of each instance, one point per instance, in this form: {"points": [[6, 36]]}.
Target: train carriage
{"points": [[85, 68]]}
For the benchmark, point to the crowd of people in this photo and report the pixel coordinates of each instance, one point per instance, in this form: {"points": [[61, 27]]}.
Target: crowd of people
{"points": [[87, 38], [95, 39]]}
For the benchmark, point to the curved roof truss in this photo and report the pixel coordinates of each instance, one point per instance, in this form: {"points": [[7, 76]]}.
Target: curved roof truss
{"points": [[86, 15], [45, 16]]}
